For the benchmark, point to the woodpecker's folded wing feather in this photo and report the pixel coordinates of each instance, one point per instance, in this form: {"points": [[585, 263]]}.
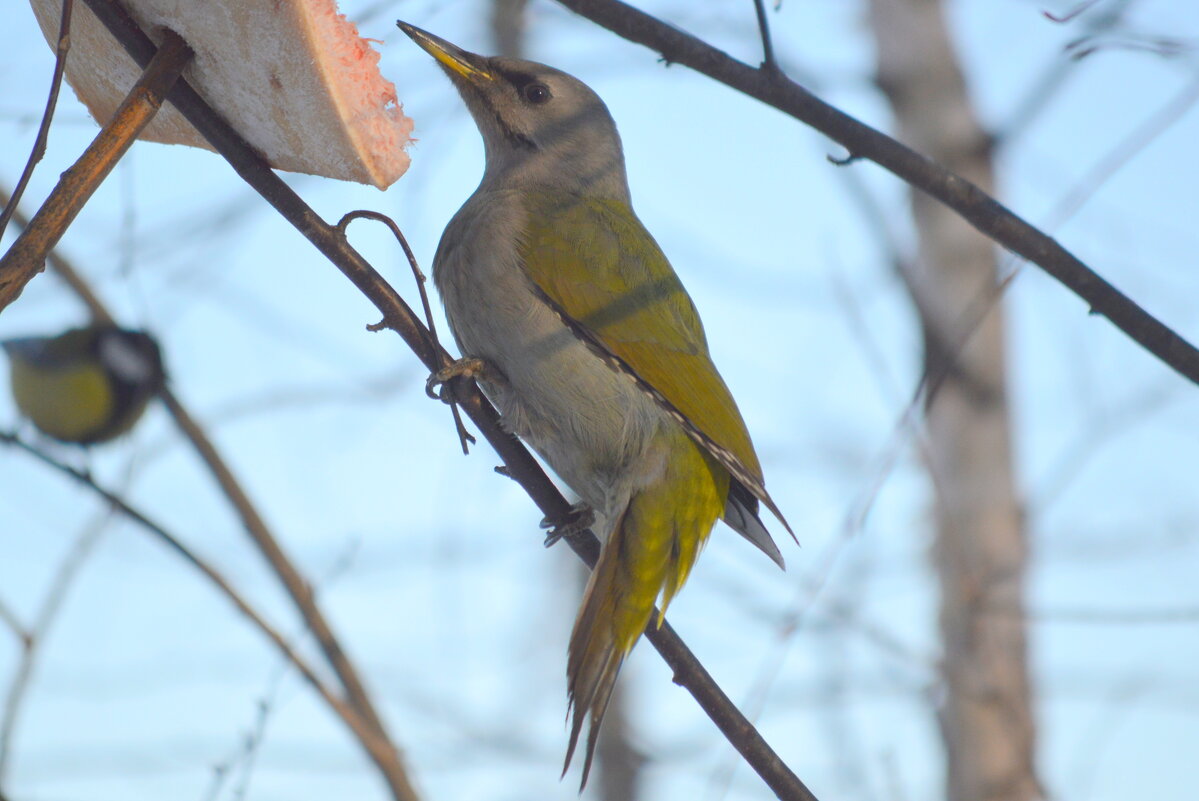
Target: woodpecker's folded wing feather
{"points": [[601, 270]]}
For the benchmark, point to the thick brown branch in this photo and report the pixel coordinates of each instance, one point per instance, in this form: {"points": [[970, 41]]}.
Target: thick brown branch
{"points": [[27, 256], [973, 204]]}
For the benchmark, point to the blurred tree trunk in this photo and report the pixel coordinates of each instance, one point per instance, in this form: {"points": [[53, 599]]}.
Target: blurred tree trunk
{"points": [[619, 762], [980, 551], [508, 27]]}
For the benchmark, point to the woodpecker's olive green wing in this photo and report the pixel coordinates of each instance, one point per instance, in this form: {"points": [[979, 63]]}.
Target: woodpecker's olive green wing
{"points": [[603, 273]]}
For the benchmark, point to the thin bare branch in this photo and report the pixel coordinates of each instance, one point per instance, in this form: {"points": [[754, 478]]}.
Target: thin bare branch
{"points": [[243, 760], [1164, 46], [299, 589], [61, 49], [380, 749], [1072, 13], [1124, 151], [965, 198], [768, 60], [61, 582], [246, 755], [388, 757], [1042, 89], [294, 583], [1090, 440], [9, 619], [1110, 617]]}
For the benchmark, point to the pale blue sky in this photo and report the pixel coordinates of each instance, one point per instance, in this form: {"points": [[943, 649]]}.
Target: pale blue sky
{"points": [[431, 564]]}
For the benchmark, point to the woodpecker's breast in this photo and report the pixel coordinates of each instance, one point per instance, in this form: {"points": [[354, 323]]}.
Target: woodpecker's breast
{"points": [[589, 422]]}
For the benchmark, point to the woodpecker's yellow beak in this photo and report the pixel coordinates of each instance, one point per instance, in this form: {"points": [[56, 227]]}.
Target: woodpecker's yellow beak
{"points": [[453, 59]]}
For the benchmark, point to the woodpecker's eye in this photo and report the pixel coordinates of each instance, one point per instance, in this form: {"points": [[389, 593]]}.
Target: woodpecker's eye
{"points": [[536, 93]]}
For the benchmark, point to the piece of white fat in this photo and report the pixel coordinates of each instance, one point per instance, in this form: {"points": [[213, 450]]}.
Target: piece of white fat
{"points": [[292, 76]]}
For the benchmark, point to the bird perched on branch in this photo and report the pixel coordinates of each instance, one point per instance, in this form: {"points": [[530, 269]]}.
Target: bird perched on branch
{"points": [[87, 385], [576, 326]]}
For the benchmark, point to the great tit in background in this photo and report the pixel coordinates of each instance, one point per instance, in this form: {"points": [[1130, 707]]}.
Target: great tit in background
{"points": [[85, 386]]}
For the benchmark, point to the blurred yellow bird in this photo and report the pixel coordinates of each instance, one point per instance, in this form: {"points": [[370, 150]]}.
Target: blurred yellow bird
{"points": [[87, 385], [579, 330]]}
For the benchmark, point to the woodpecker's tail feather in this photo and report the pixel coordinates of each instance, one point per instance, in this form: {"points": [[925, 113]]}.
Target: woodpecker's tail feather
{"points": [[601, 638], [649, 553]]}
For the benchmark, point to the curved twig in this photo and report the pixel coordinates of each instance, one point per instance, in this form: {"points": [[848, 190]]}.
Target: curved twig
{"points": [[464, 436]]}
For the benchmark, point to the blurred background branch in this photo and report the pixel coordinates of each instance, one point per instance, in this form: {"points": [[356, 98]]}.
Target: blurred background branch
{"points": [[381, 747], [955, 191], [815, 285]]}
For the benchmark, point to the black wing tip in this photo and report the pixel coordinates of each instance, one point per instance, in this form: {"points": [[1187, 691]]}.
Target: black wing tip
{"points": [[774, 510], [768, 546], [741, 513]]}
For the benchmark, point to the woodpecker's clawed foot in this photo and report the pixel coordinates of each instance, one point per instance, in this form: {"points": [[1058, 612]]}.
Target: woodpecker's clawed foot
{"points": [[445, 378], [579, 518]]}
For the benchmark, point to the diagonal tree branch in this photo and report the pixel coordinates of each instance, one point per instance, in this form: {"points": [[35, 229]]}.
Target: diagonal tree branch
{"points": [[299, 590], [379, 748], [27, 255], [863, 142], [519, 463]]}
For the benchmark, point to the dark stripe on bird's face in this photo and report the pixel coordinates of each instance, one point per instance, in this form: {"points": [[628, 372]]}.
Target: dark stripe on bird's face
{"points": [[477, 96], [518, 81], [515, 137]]}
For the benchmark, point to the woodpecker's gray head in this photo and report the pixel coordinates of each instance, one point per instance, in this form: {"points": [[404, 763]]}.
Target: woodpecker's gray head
{"points": [[540, 126]]}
